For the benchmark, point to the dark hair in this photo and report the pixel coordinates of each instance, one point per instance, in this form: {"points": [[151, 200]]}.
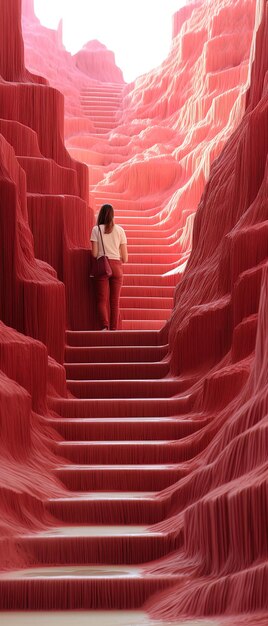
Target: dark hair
{"points": [[106, 217]]}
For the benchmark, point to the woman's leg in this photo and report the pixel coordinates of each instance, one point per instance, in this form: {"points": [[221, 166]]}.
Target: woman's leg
{"points": [[102, 293], [116, 281]]}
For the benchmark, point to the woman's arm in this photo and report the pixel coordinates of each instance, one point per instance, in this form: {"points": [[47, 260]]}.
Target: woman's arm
{"points": [[95, 249], [124, 252]]}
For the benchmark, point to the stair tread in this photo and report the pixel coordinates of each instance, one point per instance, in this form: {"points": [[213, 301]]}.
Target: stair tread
{"points": [[113, 442], [93, 531], [119, 420], [78, 572], [100, 495], [140, 467]]}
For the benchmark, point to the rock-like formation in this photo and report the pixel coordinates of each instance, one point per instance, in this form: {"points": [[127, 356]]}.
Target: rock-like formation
{"points": [[34, 169], [185, 415], [218, 334], [98, 63], [45, 53]]}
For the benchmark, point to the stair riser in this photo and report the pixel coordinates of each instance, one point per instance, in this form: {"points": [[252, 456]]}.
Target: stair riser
{"points": [[127, 454], [143, 324], [125, 431], [166, 250], [150, 270], [138, 220], [113, 354], [152, 242], [104, 125], [99, 99], [119, 371], [122, 203], [109, 512], [149, 292], [136, 302], [111, 389], [147, 315], [130, 550], [103, 116], [89, 594], [126, 211], [147, 235], [112, 105], [131, 479], [160, 407], [149, 258], [150, 280], [119, 338]]}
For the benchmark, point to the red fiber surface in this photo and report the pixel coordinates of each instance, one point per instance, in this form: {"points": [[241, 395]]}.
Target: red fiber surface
{"points": [[164, 427]]}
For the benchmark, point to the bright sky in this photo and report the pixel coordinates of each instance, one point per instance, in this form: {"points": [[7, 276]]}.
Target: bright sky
{"points": [[138, 31]]}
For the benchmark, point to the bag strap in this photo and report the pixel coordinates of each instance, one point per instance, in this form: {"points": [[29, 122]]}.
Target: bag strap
{"points": [[102, 241]]}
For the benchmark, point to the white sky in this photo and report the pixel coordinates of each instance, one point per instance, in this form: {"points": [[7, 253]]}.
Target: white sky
{"points": [[138, 31]]}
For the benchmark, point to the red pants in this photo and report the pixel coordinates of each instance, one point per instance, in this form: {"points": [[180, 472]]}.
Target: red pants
{"points": [[108, 295]]}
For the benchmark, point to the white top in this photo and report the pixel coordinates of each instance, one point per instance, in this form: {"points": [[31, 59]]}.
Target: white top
{"points": [[112, 241]]}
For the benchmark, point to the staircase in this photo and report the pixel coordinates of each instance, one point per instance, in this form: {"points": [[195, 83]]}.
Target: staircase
{"points": [[147, 294], [119, 432], [118, 437], [101, 104]]}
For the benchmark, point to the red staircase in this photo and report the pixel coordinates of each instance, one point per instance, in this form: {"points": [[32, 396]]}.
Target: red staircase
{"points": [[117, 436], [119, 431], [102, 104]]}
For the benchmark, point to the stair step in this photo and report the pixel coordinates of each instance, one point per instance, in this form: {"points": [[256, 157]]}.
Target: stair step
{"points": [[119, 477], [95, 545], [103, 93], [101, 110], [117, 508], [140, 220], [143, 324], [145, 314], [103, 114], [150, 258], [103, 371], [103, 125], [64, 588], [144, 227], [164, 388], [118, 200], [126, 429], [149, 302], [151, 280], [126, 211], [151, 269], [98, 99], [112, 354], [117, 407], [151, 249], [125, 452], [152, 242], [144, 291], [111, 338], [147, 233]]}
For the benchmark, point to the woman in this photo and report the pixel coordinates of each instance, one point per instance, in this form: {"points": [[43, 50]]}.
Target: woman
{"points": [[108, 288]]}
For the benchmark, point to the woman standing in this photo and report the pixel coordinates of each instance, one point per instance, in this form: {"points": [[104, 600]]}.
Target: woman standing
{"points": [[108, 288]]}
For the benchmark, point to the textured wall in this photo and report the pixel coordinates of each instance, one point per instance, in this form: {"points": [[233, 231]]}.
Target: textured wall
{"points": [[173, 124]]}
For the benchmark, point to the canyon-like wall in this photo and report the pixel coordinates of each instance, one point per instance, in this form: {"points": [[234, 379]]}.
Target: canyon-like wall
{"points": [[35, 170], [218, 337]]}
